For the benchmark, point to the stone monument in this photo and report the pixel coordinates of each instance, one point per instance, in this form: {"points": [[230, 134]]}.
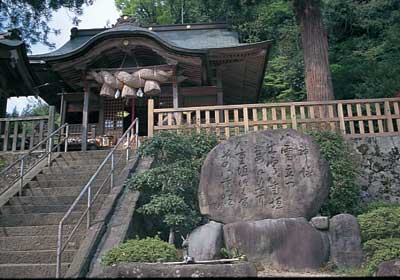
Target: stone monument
{"points": [[264, 175]]}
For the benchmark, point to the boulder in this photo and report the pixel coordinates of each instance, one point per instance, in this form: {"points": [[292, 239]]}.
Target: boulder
{"points": [[289, 243], [264, 175], [158, 270], [320, 222], [389, 268], [345, 241], [205, 242]]}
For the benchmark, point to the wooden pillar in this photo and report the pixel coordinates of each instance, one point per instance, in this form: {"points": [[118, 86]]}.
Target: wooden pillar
{"points": [[63, 108], [220, 92], [85, 115], [150, 118], [101, 115], [175, 96]]}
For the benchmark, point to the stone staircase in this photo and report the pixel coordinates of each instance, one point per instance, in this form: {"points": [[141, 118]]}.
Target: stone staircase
{"points": [[29, 223]]}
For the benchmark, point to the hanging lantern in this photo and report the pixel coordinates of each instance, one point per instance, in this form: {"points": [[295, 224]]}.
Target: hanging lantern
{"points": [[117, 94], [140, 93]]}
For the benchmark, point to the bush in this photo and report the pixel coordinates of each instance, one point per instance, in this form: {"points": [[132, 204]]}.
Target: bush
{"points": [[379, 250], [167, 147], [380, 232], [169, 190], [344, 193], [381, 223], [150, 249]]}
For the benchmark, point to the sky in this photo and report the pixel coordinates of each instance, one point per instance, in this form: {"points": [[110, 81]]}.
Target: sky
{"points": [[94, 16]]}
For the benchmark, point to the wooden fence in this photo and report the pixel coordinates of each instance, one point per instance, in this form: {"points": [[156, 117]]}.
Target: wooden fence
{"points": [[353, 118], [22, 133]]}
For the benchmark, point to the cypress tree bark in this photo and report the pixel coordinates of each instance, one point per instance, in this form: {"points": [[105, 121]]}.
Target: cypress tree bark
{"points": [[315, 50]]}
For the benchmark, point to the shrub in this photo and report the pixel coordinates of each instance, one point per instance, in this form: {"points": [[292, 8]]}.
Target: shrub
{"points": [[381, 250], [381, 223], [344, 193], [150, 249], [167, 147], [169, 190], [380, 232]]}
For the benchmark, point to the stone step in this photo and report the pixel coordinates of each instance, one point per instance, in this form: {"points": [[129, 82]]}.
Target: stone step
{"points": [[39, 230], [65, 191], [72, 182], [31, 270], [33, 243], [80, 154], [33, 209], [85, 169], [17, 220], [35, 257], [45, 200], [66, 177]]}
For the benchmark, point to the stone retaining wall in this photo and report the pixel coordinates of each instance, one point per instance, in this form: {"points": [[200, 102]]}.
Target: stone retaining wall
{"points": [[379, 161]]}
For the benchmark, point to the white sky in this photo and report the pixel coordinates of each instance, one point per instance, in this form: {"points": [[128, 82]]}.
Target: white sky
{"points": [[94, 16]]}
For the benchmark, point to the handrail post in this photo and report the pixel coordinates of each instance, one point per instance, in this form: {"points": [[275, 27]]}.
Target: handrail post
{"points": [[50, 149], [112, 171], [137, 133], [89, 202], [66, 138], [128, 145], [59, 248], [21, 174]]}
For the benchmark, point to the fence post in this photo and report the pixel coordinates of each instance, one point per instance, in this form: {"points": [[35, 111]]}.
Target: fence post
{"points": [[293, 116], [388, 115], [150, 118], [341, 118], [246, 119]]}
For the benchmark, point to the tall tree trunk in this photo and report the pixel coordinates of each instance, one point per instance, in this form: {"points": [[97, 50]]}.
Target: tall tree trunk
{"points": [[315, 50]]}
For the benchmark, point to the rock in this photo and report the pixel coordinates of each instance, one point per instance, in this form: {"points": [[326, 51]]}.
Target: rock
{"points": [[320, 222], [289, 243], [345, 241], [262, 175], [389, 268], [205, 242], [157, 270]]}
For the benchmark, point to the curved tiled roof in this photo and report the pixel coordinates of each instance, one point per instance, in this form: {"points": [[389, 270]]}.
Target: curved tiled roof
{"points": [[183, 39]]}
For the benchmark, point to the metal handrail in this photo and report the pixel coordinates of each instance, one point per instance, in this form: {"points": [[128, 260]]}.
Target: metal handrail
{"points": [[132, 130], [49, 150]]}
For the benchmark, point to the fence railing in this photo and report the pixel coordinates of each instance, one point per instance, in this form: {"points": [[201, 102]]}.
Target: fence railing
{"points": [[23, 133], [113, 159], [16, 171], [353, 118]]}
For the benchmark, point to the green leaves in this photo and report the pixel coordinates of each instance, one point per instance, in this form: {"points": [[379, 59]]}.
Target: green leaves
{"points": [[150, 249], [380, 232], [344, 193], [380, 223], [169, 190]]}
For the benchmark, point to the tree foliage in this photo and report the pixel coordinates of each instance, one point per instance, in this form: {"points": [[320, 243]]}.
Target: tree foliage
{"points": [[31, 17], [364, 46]]}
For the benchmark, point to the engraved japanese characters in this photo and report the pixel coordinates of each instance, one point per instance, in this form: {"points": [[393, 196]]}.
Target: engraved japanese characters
{"points": [[264, 175]]}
